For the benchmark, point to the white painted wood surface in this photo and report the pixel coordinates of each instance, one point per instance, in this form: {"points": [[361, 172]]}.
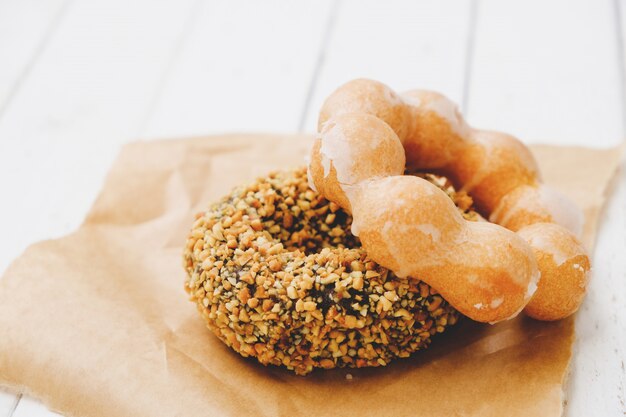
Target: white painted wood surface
{"points": [[78, 78], [25, 29], [547, 71], [245, 66]]}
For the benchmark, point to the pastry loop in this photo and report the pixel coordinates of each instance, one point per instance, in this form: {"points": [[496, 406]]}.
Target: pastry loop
{"points": [[368, 135]]}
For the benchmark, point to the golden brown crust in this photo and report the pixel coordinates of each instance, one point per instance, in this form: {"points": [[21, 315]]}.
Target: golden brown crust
{"points": [[497, 169], [565, 271], [412, 228], [343, 135], [367, 97]]}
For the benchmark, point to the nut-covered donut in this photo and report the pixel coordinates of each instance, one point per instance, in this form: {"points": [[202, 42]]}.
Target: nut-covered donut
{"points": [[368, 134], [277, 275]]}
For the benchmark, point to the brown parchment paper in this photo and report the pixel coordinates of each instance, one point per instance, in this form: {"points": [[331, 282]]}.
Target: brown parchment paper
{"points": [[97, 323]]}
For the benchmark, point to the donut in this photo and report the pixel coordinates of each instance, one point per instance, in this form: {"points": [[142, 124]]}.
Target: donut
{"points": [[368, 135], [277, 275]]}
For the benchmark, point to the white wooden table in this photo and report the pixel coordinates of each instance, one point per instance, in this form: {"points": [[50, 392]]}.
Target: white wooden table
{"points": [[78, 78]]}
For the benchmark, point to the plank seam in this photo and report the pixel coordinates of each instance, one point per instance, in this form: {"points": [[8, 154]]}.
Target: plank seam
{"points": [[15, 88], [15, 404], [34, 59], [469, 54], [319, 62], [621, 65]]}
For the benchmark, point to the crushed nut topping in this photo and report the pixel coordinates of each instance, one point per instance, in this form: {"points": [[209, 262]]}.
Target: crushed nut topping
{"points": [[277, 275]]}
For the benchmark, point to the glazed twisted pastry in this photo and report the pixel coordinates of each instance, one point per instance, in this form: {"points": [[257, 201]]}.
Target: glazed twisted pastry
{"points": [[368, 134]]}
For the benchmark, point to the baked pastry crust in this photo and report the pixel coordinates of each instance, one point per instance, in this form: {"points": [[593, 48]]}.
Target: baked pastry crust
{"points": [[368, 134]]}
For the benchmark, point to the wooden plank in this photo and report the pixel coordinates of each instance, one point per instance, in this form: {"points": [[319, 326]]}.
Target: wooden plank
{"points": [[88, 93], [25, 29], [598, 383], [547, 71], [597, 386], [405, 44], [246, 67], [101, 54]]}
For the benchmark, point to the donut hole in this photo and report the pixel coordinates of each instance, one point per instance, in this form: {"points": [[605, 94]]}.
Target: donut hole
{"points": [[300, 218]]}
